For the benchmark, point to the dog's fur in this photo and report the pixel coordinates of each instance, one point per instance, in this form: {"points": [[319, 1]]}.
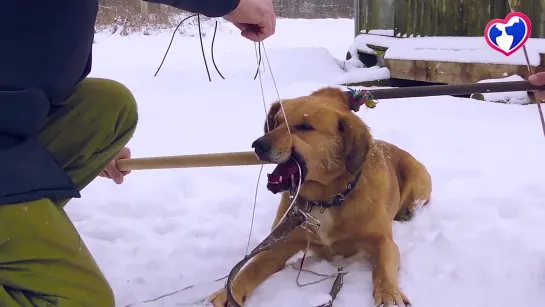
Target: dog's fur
{"points": [[335, 145]]}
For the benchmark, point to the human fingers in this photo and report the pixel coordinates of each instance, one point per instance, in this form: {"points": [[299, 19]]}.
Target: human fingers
{"points": [[538, 80], [260, 32], [125, 153], [104, 174], [239, 25], [115, 174]]}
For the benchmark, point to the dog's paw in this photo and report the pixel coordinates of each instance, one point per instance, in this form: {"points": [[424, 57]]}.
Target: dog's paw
{"points": [[404, 215], [219, 298], [390, 296]]}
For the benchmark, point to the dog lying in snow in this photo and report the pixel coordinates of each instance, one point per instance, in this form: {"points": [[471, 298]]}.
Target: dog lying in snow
{"points": [[337, 155]]}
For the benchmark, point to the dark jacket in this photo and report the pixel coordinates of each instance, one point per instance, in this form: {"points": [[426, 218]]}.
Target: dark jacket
{"points": [[46, 51]]}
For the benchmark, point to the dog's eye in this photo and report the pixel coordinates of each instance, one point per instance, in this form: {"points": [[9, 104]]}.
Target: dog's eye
{"points": [[303, 127]]}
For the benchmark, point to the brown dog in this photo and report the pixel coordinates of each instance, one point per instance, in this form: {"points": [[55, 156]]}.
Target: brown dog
{"points": [[334, 149]]}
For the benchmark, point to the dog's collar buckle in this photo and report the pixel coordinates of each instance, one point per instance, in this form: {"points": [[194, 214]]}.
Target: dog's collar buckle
{"points": [[337, 199]]}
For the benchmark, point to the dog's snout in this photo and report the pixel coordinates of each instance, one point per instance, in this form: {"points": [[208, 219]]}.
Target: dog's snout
{"points": [[262, 147]]}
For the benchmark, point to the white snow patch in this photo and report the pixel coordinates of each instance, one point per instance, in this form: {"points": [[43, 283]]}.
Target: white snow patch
{"points": [[353, 64], [319, 299], [386, 32], [364, 75], [300, 63], [460, 55], [520, 97]]}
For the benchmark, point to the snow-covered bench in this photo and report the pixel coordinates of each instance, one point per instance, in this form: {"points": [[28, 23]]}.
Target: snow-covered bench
{"points": [[446, 59]]}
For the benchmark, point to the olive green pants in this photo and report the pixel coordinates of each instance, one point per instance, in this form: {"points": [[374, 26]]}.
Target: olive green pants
{"points": [[43, 261]]}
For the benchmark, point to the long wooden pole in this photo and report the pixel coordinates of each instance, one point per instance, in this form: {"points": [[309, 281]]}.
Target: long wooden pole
{"points": [[191, 161], [455, 89], [249, 158]]}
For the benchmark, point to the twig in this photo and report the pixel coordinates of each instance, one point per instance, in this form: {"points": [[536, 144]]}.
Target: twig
{"points": [[336, 288], [175, 292]]}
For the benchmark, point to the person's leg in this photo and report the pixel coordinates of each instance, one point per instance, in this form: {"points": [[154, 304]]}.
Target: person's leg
{"points": [[43, 261], [85, 134]]}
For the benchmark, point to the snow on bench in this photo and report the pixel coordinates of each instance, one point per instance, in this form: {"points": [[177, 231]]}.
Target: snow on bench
{"points": [[520, 97], [446, 49]]}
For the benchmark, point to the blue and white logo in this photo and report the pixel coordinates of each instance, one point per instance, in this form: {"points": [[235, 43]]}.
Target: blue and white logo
{"points": [[508, 35]]}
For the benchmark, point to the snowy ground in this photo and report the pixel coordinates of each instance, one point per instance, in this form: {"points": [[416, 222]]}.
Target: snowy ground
{"points": [[479, 243]]}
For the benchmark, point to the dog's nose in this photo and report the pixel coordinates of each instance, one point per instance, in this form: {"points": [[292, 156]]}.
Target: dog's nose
{"points": [[262, 146]]}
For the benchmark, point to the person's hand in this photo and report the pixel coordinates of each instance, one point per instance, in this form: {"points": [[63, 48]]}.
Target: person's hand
{"points": [[538, 80], [112, 172], [255, 19]]}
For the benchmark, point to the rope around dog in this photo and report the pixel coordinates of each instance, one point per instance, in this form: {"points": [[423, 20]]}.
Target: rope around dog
{"points": [[202, 48]]}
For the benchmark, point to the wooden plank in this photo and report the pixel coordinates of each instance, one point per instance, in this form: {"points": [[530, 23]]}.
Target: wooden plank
{"points": [[420, 71], [457, 17], [409, 17], [434, 18], [480, 17], [515, 4], [357, 22], [451, 72], [144, 8], [428, 18], [373, 20], [400, 15], [541, 24], [403, 69], [416, 17], [361, 15], [442, 21], [422, 18]]}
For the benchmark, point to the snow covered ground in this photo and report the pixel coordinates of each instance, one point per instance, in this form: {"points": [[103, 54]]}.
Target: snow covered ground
{"points": [[480, 242]]}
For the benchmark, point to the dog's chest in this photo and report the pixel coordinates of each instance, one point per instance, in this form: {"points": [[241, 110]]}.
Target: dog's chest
{"points": [[323, 233], [329, 240]]}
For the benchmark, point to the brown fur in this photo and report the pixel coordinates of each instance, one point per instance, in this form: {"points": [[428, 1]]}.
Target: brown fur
{"points": [[391, 185]]}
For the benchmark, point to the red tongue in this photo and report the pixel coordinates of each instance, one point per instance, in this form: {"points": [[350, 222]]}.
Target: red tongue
{"points": [[279, 180]]}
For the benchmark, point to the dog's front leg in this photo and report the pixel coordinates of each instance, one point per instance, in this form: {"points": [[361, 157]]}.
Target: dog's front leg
{"points": [[385, 258], [257, 270]]}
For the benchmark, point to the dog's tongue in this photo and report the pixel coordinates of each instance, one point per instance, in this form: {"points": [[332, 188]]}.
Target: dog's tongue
{"points": [[280, 179]]}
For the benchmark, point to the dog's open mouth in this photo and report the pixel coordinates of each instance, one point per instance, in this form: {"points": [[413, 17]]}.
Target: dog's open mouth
{"points": [[286, 175]]}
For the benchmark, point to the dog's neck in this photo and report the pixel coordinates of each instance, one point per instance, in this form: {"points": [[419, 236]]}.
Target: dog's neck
{"points": [[331, 195]]}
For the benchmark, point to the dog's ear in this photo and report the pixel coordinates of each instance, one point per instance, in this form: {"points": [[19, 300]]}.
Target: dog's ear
{"points": [[356, 141], [269, 122]]}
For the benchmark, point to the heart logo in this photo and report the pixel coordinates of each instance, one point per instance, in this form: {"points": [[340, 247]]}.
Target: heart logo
{"points": [[508, 35]]}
